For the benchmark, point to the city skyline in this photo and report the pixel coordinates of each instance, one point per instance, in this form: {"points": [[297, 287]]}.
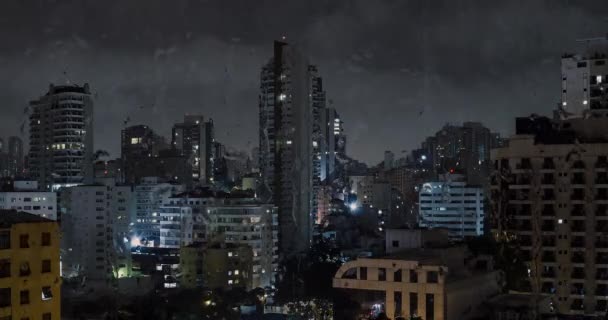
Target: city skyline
{"points": [[210, 67]]}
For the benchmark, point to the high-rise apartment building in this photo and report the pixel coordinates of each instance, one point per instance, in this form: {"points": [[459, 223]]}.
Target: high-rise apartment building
{"points": [[30, 282], [150, 194], [95, 225], [550, 197], [453, 205], [291, 103], [61, 137], [584, 84], [138, 145], [194, 139]]}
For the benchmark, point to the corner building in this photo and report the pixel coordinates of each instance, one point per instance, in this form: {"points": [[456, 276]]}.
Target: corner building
{"points": [[30, 281]]}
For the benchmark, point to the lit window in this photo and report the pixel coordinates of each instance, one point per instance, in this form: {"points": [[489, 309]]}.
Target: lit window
{"points": [[229, 272], [597, 78], [236, 272], [560, 221], [289, 142], [135, 140], [282, 97], [585, 102], [229, 282], [230, 254]]}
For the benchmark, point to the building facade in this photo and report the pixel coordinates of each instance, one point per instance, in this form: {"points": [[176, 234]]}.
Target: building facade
{"points": [[454, 205], [138, 144], [194, 139], [550, 196], [30, 282], [43, 204], [584, 79], [61, 137], [192, 218], [291, 103], [95, 225], [431, 285], [150, 194]]}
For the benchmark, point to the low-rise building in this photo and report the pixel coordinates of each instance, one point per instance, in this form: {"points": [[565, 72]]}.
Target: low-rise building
{"points": [[30, 281], [433, 284], [397, 240]]}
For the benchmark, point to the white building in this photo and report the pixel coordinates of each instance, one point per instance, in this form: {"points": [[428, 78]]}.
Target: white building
{"points": [[584, 84], [453, 205], [199, 217], [61, 137], [25, 197], [150, 194], [95, 222], [244, 221]]}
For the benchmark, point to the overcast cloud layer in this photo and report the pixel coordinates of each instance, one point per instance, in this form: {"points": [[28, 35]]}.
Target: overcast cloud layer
{"points": [[395, 70]]}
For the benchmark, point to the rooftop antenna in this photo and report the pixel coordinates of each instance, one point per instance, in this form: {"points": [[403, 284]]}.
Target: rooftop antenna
{"points": [[67, 80]]}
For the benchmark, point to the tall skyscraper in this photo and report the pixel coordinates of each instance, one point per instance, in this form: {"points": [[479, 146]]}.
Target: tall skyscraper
{"points": [[61, 137], [291, 102], [15, 156], [584, 84], [194, 139], [138, 144]]}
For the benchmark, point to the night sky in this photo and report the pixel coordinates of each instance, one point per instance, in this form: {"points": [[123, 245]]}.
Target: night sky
{"points": [[383, 62]]}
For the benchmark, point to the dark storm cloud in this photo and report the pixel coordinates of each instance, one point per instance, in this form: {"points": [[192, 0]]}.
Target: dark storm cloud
{"points": [[383, 62]]}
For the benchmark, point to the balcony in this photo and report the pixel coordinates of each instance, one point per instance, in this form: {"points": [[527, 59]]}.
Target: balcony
{"points": [[601, 210], [577, 289], [548, 242], [548, 164], [602, 194], [579, 164], [577, 180], [577, 211], [601, 244], [548, 194], [578, 226], [601, 179], [548, 180], [578, 257], [548, 226], [578, 195], [601, 258], [548, 273], [548, 211], [548, 256], [601, 290], [578, 273], [578, 243], [601, 274], [602, 162], [577, 305]]}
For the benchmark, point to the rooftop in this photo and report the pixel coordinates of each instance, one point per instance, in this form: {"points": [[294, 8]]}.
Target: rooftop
{"points": [[11, 217]]}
